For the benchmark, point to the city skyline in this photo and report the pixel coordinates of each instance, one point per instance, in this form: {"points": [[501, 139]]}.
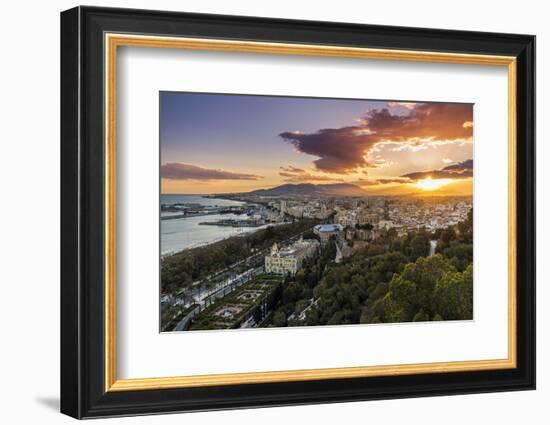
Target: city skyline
{"points": [[217, 143]]}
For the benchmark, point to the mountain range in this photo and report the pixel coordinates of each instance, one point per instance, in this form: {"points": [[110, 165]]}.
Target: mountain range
{"points": [[309, 189]]}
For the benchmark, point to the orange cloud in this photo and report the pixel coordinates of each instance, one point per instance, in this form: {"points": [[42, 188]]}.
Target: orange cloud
{"points": [[459, 170], [344, 150]]}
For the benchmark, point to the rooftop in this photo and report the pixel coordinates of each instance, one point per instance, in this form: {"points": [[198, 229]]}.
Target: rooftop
{"points": [[329, 227], [296, 247]]}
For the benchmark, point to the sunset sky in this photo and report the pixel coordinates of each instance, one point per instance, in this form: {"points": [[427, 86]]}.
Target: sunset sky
{"points": [[214, 143]]}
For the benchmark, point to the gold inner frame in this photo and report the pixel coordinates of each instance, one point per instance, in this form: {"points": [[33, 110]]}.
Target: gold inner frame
{"points": [[113, 41]]}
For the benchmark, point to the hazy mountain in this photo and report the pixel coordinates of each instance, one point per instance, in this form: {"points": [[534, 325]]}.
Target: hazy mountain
{"points": [[308, 189]]}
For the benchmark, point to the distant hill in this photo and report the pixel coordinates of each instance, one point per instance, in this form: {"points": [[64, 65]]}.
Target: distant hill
{"points": [[308, 189]]}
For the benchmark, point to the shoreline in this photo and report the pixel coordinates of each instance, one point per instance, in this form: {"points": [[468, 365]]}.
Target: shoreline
{"points": [[201, 244], [222, 196], [238, 231], [197, 245]]}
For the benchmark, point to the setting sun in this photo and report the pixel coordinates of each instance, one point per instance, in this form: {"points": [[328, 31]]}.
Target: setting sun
{"points": [[431, 184]]}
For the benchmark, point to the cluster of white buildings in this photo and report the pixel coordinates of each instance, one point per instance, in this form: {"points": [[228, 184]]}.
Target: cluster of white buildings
{"points": [[359, 221], [319, 209], [289, 260], [365, 219], [382, 213], [406, 215], [360, 215]]}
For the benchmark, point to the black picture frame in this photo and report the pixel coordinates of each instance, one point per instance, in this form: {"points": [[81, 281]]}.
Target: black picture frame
{"points": [[83, 392]]}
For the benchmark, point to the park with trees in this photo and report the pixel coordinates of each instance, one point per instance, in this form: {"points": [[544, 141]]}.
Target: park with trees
{"points": [[180, 270], [393, 279]]}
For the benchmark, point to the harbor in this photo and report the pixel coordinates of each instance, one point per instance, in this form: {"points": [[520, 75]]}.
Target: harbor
{"points": [[190, 221]]}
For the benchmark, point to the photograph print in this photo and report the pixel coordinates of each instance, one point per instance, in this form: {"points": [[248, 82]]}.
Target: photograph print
{"points": [[280, 211]]}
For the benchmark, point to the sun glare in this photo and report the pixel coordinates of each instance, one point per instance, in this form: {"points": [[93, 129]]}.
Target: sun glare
{"points": [[431, 184]]}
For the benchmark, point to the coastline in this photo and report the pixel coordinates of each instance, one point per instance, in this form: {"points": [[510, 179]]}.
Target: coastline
{"points": [[179, 233], [221, 196], [174, 231], [198, 245], [202, 244]]}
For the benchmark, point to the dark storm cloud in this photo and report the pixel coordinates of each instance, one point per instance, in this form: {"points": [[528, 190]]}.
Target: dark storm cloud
{"points": [[180, 171], [459, 170], [343, 150], [340, 150]]}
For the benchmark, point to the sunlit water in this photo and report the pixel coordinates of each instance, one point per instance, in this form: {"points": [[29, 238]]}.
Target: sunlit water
{"points": [[183, 233]]}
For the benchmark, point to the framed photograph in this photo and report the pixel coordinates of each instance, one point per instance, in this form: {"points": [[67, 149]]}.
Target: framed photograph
{"points": [[261, 212]]}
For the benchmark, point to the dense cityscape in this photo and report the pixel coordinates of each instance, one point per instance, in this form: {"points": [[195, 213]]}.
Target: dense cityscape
{"points": [[335, 260]]}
